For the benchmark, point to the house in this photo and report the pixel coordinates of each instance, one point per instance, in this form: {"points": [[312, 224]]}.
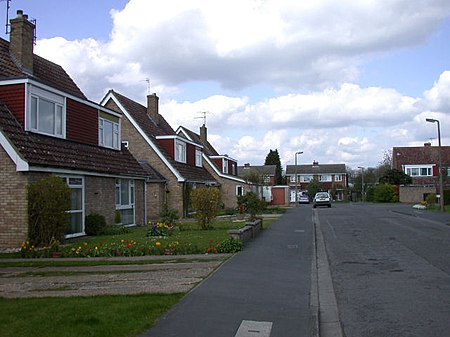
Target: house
{"points": [[421, 163], [331, 178], [266, 174], [48, 126], [222, 167], [151, 139]]}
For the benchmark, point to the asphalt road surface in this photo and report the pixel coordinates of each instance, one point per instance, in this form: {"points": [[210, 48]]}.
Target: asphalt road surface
{"points": [[390, 268]]}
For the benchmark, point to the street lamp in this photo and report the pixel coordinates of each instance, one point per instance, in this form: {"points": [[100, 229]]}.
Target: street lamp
{"points": [[362, 182], [441, 179], [296, 195]]}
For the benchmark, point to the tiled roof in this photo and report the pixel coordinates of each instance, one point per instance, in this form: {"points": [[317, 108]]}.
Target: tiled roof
{"points": [[262, 169], [208, 149], [317, 169], [44, 71], [152, 174], [139, 113], [46, 151], [419, 155]]}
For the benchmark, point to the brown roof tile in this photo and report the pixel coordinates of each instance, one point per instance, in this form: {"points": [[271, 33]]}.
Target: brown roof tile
{"points": [[317, 169]]}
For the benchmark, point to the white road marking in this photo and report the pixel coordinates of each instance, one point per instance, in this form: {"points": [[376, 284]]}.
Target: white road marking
{"points": [[254, 329], [299, 231]]}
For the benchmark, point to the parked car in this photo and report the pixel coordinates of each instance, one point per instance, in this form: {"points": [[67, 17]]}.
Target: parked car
{"points": [[322, 199], [303, 199]]}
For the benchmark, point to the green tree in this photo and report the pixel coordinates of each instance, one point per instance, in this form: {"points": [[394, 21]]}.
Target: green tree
{"points": [[206, 203], [313, 187], [252, 204], [48, 203], [395, 177], [273, 158], [252, 176], [385, 193]]}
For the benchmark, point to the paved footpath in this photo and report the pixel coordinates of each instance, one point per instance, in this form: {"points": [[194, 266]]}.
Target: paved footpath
{"points": [[262, 291]]}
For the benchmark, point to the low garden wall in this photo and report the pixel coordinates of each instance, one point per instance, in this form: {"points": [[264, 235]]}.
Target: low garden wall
{"points": [[248, 232]]}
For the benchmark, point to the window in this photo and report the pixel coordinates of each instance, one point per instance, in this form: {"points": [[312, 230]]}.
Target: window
{"points": [[239, 190], [108, 133], [233, 169], [324, 178], [125, 200], [225, 166], [198, 157], [180, 151], [419, 170], [338, 177], [293, 178], [266, 179], [76, 211], [46, 113], [306, 178]]}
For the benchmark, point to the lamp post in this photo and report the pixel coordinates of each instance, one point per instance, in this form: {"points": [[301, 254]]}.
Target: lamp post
{"points": [[441, 178], [362, 182], [296, 193]]}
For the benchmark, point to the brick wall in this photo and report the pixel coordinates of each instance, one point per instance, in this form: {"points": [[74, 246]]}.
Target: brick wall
{"points": [[13, 204], [414, 194], [155, 199]]}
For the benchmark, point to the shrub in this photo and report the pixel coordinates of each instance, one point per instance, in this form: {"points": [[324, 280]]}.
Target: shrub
{"points": [[94, 224], [252, 204], [48, 203], [206, 202], [169, 215], [385, 193], [230, 245], [431, 199]]}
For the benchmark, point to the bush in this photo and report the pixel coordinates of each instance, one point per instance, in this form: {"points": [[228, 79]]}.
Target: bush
{"points": [[95, 224], [431, 199], [230, 245], [48, 203], [252, 204], [206, 202], [385, 193], [169, 215]]}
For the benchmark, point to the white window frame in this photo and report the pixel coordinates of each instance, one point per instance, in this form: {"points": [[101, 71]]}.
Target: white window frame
{"points": [[292, 178], [32, 118], [241, 189], [419, 170], [225, 166], [180, 151], [325, 178], [70, 183], [306, 178], [121, 205], [198, 157], [338, 177], [115, 134]]}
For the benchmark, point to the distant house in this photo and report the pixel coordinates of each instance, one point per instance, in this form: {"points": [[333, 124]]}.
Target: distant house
{"points": [[48, 126], [222, 167], [178, 160], [421, 163], [331, 178], [265, 173]]}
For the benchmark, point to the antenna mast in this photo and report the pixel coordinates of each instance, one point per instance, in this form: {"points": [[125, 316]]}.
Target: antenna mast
{"points": [[203, 117], [7, 15]]}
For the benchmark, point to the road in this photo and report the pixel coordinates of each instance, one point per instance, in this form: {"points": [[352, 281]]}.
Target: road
{"points": [[390, 269]]}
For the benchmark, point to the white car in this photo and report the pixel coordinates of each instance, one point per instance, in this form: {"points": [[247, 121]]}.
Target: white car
{"points": [[322, 199]]}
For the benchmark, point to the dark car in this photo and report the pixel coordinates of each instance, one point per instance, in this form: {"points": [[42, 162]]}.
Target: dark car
{"points": [[322, 199]]}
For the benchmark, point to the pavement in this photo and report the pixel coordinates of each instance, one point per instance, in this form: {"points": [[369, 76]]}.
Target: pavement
{"points": [[263, 291]]}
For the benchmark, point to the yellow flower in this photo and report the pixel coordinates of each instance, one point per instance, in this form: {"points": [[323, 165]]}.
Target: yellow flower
{"points": [[158, 243]]}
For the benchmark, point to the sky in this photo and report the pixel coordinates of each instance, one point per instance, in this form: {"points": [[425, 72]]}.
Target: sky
{"points": [[342, 81]]}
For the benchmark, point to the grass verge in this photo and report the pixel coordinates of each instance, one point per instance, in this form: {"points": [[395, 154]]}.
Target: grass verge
{"points": [[105, 316]]}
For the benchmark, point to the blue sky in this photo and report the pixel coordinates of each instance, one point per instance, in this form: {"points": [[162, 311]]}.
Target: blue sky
{"points": [[342, 81]]}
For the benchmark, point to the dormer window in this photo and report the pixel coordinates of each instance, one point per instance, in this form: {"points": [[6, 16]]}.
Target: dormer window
{"points": [[225, 166], [108, 131], [198, 157], [180, 151], [46, 113]]}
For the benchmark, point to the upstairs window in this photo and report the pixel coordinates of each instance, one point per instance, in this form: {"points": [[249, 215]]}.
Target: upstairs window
{"points": [[306, 178], [198, 157], [225, 166], [180, 151], [324, 178], [108, 133], [419, 171], [338, 177], [46, 113]]}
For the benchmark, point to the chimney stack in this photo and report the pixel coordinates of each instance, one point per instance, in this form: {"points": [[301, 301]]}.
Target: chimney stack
{"points": [[203, 134], [22, 41], [427, 144], [153, 107]]}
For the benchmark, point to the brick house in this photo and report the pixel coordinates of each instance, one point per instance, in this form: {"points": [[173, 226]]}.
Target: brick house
{"points": [[331, 177], [152, 140], [421, 163], [47, 126], [266, 173], [222, 167]]}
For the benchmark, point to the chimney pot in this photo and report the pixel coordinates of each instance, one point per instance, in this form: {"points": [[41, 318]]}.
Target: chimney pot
{"points": [[203, 134]]}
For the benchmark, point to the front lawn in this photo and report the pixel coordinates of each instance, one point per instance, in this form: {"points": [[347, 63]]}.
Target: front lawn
{"points": [[184, 238], [106, 316]]}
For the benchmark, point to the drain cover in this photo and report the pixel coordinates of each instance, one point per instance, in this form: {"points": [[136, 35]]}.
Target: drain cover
{"points": [[254, 329]]}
